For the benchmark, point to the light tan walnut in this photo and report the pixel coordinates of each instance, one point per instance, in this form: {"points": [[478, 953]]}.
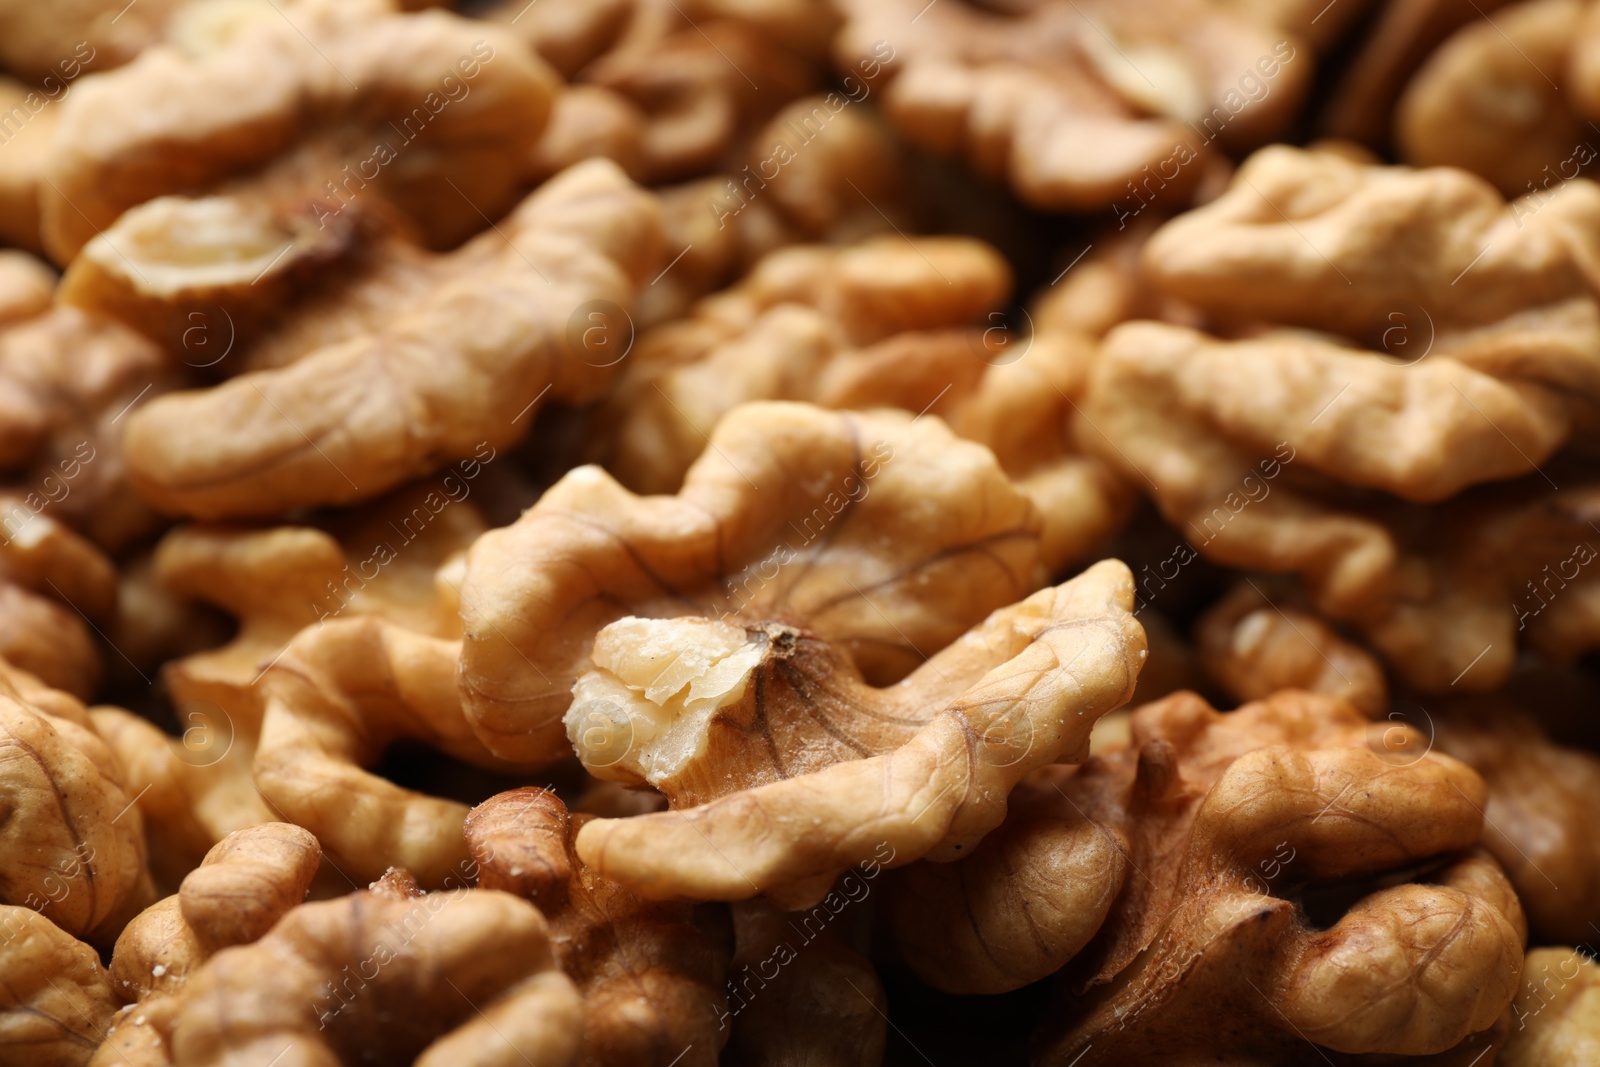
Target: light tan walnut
{"points": [[801, 994], [879, 534], [1475, 375], [56, 1002], [770, 747], [1077, 105], [889, 322], [27, 124], [328, 103], [73, 840], [245, 884], [1268, 866], [465, 978], [382, 561], [1557, 1011], [402, 388], [649, 979]]}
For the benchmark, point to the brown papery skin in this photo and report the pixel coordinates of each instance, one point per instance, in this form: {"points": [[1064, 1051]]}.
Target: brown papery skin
{"points": [[650, 982]]}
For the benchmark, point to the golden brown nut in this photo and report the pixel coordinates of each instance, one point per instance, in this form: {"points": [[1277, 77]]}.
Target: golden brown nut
{"points": [[1544, 802], [1252, 647], [436, 114], [383, 561], [1188, 842], [648, 978], [890, 322], [1401, 37], [246, 883], [74, 843], [57, 1000], [52, 44], [781, 745], [1557, 1011], [1499, 373], [27, 124], [820, 170], [1497, 99], [507, 322], [801, 995], [1079, 104], [881, 534], [567, 34], [465, 977]]}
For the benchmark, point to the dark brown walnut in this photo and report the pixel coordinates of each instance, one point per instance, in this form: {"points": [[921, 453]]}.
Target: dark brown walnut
{"points": [[333, 103], [1080, 106], [73, 840], [55, 998], [882, 535], [889, 322], [800, 994], [394, 390], [247, 882], [1307, 470], [1252, 646], [384, 561], [1541, 794], [1499, 98], [1268, 867], [650, 981], [390, 975], [1557, 1011]]}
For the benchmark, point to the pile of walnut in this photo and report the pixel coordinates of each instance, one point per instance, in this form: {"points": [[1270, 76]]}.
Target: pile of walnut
{"points": [[656, 533]]}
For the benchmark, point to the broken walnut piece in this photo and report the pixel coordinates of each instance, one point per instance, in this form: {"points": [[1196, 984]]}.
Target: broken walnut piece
{"points": [[464, 977], [768, 775], [292, 108], [383, 560], [1252, 647], [1200, 831], [650, 982], [888, 322], [502, 326], [883, 535], [1078, 105], [246, 883], [1541, 794]]}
